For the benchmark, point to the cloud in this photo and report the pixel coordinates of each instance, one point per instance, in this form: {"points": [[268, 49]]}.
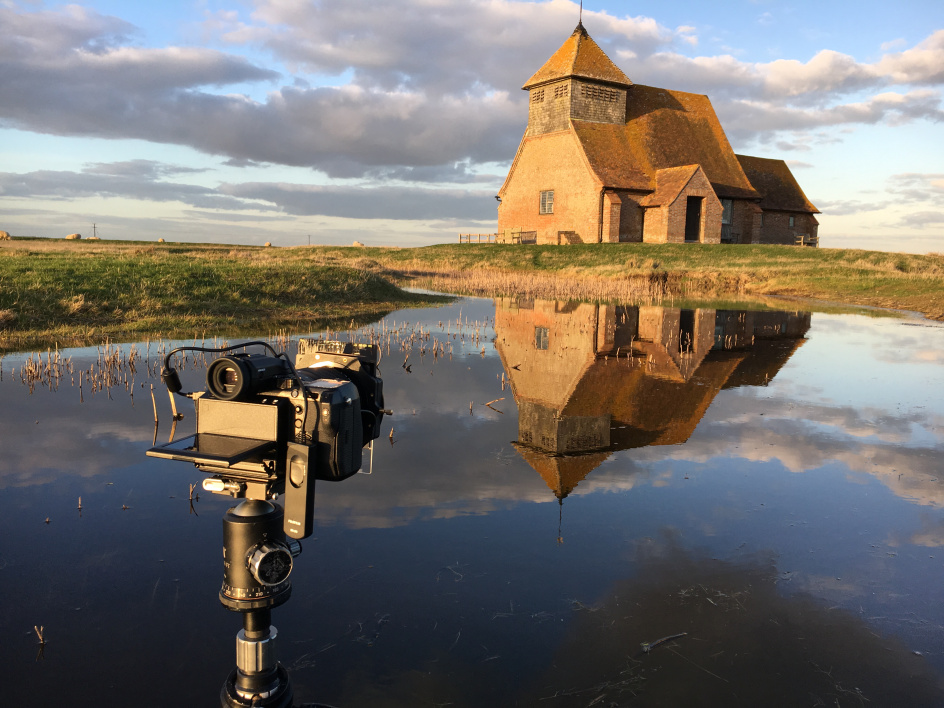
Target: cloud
{"points": [[922, 64], [918, 187], [119, 182], [145, 180], [421, 87], [369, 202], [920, 219], [846, 207]]}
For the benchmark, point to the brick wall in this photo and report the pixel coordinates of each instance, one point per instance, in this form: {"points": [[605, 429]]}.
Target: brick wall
{"points": [[745, 221], [777, 229], [551, 162], [612, 207], [630, 226]]}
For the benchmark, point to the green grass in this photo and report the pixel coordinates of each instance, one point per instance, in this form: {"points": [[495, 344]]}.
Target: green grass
{"points": [[77, 295], [79, 291]]}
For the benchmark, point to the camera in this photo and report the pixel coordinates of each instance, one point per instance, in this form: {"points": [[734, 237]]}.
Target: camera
{"points": [[266, 427]]}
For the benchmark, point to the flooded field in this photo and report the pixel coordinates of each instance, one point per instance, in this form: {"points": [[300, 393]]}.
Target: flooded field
{"points": [[570, 505]]}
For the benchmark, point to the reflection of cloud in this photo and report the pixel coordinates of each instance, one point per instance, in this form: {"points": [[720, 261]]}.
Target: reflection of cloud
{"points": [[48, 433], [813, 436]]}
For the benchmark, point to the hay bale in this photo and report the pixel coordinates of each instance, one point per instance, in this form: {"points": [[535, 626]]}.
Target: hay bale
{"points": [[5, 236], [358, 244], [160, 240], [73, 237], [93, 238], [268, 244]]}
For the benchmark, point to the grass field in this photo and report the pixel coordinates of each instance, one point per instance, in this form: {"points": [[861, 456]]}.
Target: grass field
{"points": [[79, 291], [76, 293]]}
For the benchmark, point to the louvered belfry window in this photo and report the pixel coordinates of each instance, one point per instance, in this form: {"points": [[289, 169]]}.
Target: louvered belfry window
{"points": [[547, 202]]}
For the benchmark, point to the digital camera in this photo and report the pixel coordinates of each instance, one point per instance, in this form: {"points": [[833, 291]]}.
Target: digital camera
{"points": [[266, 428]]}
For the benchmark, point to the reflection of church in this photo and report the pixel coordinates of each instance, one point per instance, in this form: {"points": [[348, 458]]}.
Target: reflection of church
{"points": [[591, 379]]}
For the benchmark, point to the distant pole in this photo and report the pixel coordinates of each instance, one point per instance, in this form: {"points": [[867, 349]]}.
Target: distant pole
{"points": [[309, 239], [95, 230]]}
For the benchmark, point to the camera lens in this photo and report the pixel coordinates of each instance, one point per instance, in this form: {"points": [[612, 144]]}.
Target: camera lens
{"points": [[226, 378]]}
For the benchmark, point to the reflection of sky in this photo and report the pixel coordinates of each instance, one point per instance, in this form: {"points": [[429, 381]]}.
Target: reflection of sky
{"points": [[879, 364], [830, 473]]}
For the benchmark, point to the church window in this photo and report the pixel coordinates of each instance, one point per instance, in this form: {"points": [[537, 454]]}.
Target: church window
{"points": [[792, 221], [537, 96], [560, 91], [541, 338], [547, 202], [727, 207]]}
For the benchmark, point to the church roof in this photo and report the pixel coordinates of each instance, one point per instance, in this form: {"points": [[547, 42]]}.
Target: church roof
{"points": [[776, 184], [664, 129], [581, 57]]}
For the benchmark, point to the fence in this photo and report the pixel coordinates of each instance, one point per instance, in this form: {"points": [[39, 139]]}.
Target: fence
{"points": [[478, 238]]}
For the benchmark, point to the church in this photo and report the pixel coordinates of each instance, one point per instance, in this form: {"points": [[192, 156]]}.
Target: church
{"points": [[606, 160]]}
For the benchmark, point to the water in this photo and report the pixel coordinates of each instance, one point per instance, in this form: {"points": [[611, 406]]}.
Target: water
{"points": [[767, 485]]}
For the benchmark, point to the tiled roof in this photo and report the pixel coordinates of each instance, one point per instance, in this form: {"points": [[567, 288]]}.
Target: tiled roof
{"points": [[664, 129], [579, 56], [776, 184]]}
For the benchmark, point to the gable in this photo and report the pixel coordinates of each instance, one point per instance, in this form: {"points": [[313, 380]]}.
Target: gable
{"points": [[669, 184]]}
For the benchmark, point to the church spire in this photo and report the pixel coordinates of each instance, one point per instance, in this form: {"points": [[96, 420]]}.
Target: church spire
{"points": [[580, 57]]}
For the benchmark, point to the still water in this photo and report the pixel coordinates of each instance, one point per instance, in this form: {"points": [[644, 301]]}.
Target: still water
{"points": [[560, 486]]}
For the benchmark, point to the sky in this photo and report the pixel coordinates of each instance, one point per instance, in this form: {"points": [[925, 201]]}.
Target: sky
{"points": [[394, 123]]}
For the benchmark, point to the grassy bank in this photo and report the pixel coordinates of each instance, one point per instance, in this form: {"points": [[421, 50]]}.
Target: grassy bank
{"points": [[78, 293], [53, 290], [872, 278]]}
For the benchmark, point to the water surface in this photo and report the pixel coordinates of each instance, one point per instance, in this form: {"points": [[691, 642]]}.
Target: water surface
{"points": [[765, 484]]}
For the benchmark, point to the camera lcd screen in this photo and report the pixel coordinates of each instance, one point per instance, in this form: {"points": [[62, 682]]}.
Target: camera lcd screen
{"points": [[208, 448]]}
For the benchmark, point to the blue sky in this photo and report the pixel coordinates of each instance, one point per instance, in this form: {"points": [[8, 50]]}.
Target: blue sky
{"points": [[394, 123]]}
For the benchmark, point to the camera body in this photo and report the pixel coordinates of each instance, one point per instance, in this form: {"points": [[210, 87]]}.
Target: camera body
{"points": [[265, 428]]}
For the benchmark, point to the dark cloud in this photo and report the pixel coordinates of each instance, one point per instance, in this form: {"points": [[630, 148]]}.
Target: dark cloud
{"points": [[100, 182], [442, 48], [369, 202], [144, 180]]}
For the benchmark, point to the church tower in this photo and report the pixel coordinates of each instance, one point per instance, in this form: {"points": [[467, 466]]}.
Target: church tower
{"points": [[579, 82]]}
